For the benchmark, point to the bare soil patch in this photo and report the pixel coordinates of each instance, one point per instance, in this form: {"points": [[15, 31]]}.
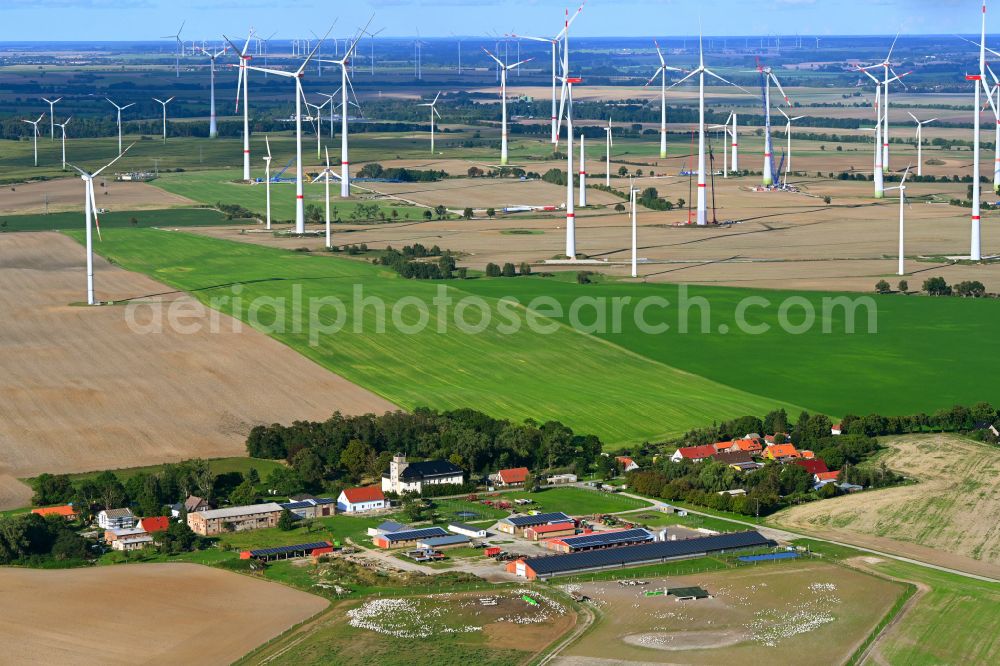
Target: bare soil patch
{"points": [[67, 194], [150, 613], [80, 391]]}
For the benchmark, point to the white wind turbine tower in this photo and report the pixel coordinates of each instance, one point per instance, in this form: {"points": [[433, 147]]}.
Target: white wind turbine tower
{"points": [[633, 193], [566, 108], [52, 116], [241, 82], [213, 127], [878, 175], [318, 119], [180, 47], [503, 103], [662, 73], [267, 182], [120, 109], [583, 173], [788, 135], [886, 65], [434, 112], [62, 126], [769, 76], [554, 41], [996, 113], [902, 203], [164, 104], [300, 216], [326, 175], [920, 143], [90, 206], [34, 133], [735, 135], [701, 71], [332, 107], [345, 86], [608, 145]]}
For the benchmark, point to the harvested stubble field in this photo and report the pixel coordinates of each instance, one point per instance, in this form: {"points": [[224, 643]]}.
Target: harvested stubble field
{"points": [[948, 517], [159, 613], [67, 194], [80, 391], [791, 613]]}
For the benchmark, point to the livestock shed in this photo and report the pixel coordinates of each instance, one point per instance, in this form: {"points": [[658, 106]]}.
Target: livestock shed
{"points": [[599, 540], [625, 556], [550, 531], [467, 530], [288, 552], [517, 524], [407, 537], [438, 543]]}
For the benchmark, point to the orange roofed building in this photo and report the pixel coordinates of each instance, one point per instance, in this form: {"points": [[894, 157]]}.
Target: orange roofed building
{"points": [[781, 452], [516, 476], [66, 511]]}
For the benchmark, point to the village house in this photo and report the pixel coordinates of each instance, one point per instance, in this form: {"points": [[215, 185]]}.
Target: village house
{"points": [[153, 524], [694, 453], [234, 519], [781, 452], [360, 500], [516, 476], [116, 519], [138, 543], [66, 511], [823, 478], [407, 477], [123, 534], [190, 505], [627, 463], [813, 466]]}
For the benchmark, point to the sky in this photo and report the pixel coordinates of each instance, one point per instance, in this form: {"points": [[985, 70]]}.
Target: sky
{"points": [[87, 20]]}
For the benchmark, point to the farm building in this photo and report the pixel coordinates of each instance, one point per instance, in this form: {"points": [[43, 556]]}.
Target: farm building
{"points": [[314, 507], [515, 476], [137, 543], [442, 542], [627, 463], [407, 537], [600, 540], [234, 519], [288, 552], [625, 556], [814, 466], [693, 453], [517, 524], [360, 500], [407, 477], [386, 527], [66, 511], [550, 531], [733, 458], [115, 519], [153, 524], [471, 531], [556, 479]]}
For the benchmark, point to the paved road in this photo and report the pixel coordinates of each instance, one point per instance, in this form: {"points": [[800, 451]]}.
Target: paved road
{"points": [[787, 535]]}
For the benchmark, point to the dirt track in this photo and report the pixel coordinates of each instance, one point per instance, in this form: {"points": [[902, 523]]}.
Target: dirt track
{"points": [[143, 613], [79, 391], [948, 518]]}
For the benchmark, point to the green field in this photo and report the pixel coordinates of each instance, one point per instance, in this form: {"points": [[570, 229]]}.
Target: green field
{"points": [[580, 380], [171, 217], [576, 501], [335, 528]]}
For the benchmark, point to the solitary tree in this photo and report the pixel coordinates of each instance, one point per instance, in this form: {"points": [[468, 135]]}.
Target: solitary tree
{"points": [[428, 215], [467, 213], [619, 207], [490, 213]]}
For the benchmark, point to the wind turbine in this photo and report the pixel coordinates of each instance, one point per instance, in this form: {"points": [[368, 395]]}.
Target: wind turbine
{"points": [[180, 47], [241, 80], [213, 128], [63, 126], [662, 73], [996, 140], [736, 143], [608, 144], [34, 133], [768, 74], [878, 175], [902, 203], [332, 106], [90, 206], [920, 143], [319, 121], [701, 71], [633, 193], [52, 117], [164, 103], [554, 41], [120, 109], [566, 108], [504, 68], [267, 181], [326, 175], [788, 135], [583, 173], [300, 216], [886, 65], [345, 86], [434, 112]]}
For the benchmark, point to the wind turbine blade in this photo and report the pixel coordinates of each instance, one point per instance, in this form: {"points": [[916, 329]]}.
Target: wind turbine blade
{"points": [[436, 98], [677, 83], [562, 108], [653, 77], [361, 34], [869, 75], [94, 175], [663, 63], [780, 89], [316, 48], [889, 57], [267, 143], [711, 73], [78, 169], [914, 118], [518, 64], [494, 57], [93, 206]]}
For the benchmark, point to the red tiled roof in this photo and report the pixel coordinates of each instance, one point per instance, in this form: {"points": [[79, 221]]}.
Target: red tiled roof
{"points": [[366, 494], [65, 510], [556, 527], [697, 452], [827, 476], [814, 466], [513, 475], [155, 524], [781, 451]]}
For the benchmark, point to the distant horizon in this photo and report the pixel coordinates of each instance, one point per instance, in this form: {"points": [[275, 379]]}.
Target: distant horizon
{"points": [[53, 21]]}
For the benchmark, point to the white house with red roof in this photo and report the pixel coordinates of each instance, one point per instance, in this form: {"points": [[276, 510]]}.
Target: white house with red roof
{"points": [[359, 500], [627, 463], [516, 476], [694, 453]]}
